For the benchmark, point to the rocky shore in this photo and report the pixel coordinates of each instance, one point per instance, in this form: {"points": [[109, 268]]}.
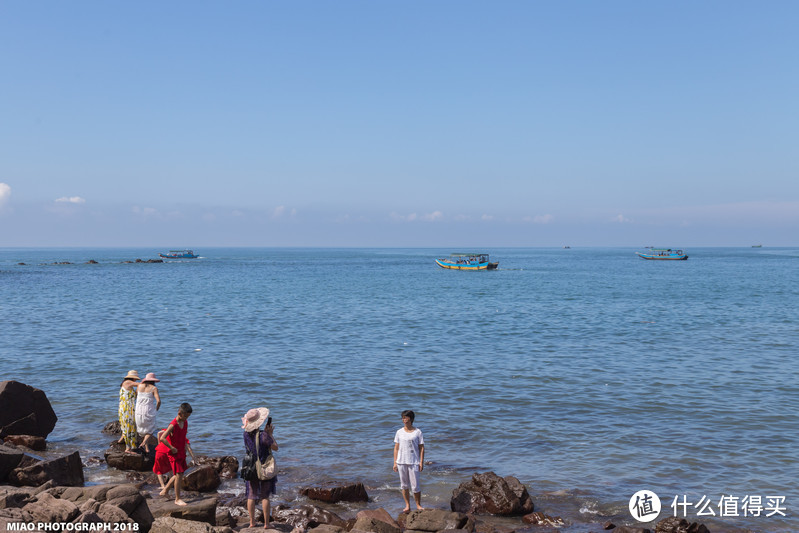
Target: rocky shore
{"points": [[38, 494]]}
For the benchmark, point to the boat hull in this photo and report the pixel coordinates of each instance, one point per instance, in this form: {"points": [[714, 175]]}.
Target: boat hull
{"points": [[466, 266], [179, 256], [670, 257]]}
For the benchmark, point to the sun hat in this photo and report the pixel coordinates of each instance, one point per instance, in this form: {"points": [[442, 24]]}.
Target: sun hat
{"points": [[132, 374], [254, 418], [150, 377]]}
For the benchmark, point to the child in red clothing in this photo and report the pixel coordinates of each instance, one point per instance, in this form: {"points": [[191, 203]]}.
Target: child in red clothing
{"points": [[173, 443], [161, 465]]}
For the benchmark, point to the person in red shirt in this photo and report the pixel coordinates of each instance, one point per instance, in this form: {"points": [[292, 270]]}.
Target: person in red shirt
{"points": [[174, 443]]}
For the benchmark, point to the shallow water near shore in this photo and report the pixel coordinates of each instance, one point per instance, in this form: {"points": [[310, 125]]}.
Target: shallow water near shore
{"points": [[589, 374]]}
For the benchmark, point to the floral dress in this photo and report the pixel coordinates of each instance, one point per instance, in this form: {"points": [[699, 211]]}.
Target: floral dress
{"points": [[127, 416]]}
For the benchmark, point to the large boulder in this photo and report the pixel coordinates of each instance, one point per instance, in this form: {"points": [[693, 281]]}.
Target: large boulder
{"points": [[488, 493], [202, 478], [116, 457], [66, 471], [25, 410], [331, 492]]}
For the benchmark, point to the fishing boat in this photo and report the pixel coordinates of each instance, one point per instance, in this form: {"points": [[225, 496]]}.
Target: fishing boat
{"points": [[179, 254], [663, 254], [474, 261]]}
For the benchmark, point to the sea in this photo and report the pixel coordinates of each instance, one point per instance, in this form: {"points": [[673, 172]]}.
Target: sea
{"points": [[587, 373]]}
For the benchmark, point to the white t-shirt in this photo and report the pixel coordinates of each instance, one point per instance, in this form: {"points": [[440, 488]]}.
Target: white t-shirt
{"points": [[408, 452]]}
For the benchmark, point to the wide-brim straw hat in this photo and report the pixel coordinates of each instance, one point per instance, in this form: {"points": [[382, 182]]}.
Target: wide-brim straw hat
{"points": [[254, 418], [132, 374], [151, 377]]}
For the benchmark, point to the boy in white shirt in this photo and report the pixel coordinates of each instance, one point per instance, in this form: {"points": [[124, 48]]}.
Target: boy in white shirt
{"points": [[409, 459]]}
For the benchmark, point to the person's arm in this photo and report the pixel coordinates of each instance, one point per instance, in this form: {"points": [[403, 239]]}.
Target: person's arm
{"points": [[191, 452], [269, 430], [157, 399], [421, 457], [396, 451], [166, 434]]}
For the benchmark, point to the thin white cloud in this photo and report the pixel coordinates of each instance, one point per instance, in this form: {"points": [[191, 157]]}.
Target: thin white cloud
{"points": [[487, 217], [543, 219], [432, 217], [144, 211], [621, 219], [5, 193], [412, 217], [71, 200], [281, 211]]}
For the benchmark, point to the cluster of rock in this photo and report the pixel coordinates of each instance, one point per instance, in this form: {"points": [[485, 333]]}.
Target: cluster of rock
{"points": [[93, 262], [34, 490]]}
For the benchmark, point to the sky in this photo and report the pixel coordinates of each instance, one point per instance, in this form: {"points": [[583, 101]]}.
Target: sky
{"points": [[399, 124]]}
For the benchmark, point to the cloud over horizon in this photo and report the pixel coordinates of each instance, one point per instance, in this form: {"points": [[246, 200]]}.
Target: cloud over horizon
{"points": [[71, 200], [5, 193]]}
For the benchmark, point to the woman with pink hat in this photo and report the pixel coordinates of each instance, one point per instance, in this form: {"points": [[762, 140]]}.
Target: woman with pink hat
{"points": [[148, 402], [259, 490]]}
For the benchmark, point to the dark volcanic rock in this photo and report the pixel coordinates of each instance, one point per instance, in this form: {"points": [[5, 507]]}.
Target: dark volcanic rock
{"points": [[436, 520], [227, 466], [33, 442], [25, 410], [307, 516], [113, 428], [116, 457], [490, 494], [333, 493], [203, 478], [9, 460], [675, 524], [66, 471]]}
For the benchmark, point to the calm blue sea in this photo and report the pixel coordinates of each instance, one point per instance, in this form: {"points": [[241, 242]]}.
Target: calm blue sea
{"points": [[589, 374]]}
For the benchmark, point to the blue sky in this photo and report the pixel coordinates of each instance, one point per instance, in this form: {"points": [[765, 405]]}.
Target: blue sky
{"points": [[364, 123]]}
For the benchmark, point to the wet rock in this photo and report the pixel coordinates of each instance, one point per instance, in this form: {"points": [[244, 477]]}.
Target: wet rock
{"points": [[435, 520], [629, 529], [66, 471], [32, 442], [201, 509], [202, 478], [25, 410], [335, 492], [307, 516], [490, 494], [113, 428], [675, 524], [541, 519], [116, 457], [227, 467]]}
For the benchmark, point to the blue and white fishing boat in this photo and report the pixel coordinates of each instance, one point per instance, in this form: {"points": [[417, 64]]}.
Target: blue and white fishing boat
{"points": [[475, 261], [179, 254], [663, 254]]}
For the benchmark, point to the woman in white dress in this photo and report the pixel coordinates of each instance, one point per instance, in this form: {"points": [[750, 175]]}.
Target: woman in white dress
{"points": [[148, 402]]}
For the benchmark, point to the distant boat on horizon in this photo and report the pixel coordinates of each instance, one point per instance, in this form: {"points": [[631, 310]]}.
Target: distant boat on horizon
{"points": [[474, 261], [179, 254], [663, 254], [757, 246]]}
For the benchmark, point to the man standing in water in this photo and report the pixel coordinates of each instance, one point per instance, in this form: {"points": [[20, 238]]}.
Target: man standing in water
{"points": [[409, 459]]}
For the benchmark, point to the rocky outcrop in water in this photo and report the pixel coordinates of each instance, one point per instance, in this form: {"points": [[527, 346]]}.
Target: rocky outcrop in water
{"points": [[336, 492], [489, 493], [25, 410]]}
